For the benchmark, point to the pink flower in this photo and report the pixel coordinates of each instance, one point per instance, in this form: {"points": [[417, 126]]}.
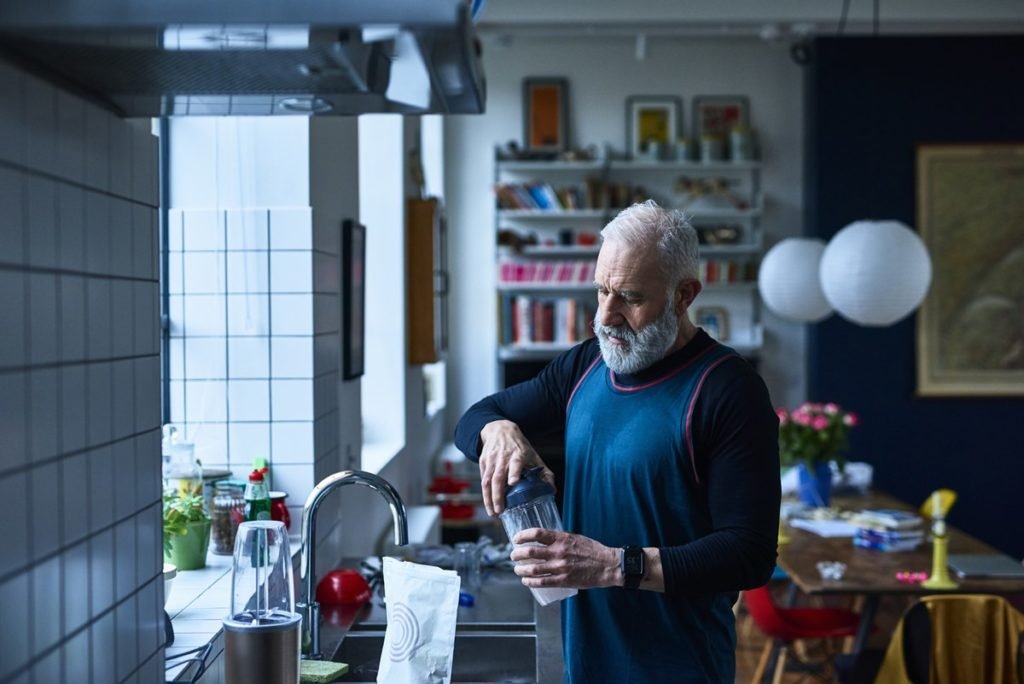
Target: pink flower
{"points": [[806, 407], [851, 420], [820, 423], [783, 416], [831, 409], [801, 417]]}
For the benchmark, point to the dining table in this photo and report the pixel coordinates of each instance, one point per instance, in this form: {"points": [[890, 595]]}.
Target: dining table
{"points": [[871, 574]]}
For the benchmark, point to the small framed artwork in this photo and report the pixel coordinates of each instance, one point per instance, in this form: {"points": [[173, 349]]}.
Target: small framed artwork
{"points": [[718, 115], [714, 320], [545, 115], [353, 297], [653, 123]]}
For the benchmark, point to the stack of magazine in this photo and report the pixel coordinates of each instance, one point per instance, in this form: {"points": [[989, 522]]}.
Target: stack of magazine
{"points": [[887, 529]]}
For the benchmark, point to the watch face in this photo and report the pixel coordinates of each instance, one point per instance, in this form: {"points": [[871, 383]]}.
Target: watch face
{"points": [[633, 561]]}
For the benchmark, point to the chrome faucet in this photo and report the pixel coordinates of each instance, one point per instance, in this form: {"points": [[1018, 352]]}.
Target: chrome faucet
{"points": [[309, 608]]}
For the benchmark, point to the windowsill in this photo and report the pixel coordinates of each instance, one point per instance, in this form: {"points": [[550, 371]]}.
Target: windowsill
{"points": [[377, 455]]}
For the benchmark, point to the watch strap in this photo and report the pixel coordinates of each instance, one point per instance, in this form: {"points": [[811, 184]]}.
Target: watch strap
{"points": [[632, 564]]}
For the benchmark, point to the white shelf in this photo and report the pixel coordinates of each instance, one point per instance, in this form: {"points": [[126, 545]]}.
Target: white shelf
{"points": [[750, 341], [691, 166], [545, 166], [559, 214], [739, 249], [550, 288], [560, 250], [531, 351]]}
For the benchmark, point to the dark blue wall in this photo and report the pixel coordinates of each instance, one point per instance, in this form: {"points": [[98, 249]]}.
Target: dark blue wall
{"points": [[869, 101]]}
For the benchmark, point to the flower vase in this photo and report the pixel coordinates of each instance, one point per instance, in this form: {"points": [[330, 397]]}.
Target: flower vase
{"points": [[815, 486]]}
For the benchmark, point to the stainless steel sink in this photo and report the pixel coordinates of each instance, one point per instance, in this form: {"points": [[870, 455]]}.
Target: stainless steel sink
{"points": [[479, 656]]}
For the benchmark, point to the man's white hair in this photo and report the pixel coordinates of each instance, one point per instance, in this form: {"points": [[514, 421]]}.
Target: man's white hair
{"points": [[646, 224]]}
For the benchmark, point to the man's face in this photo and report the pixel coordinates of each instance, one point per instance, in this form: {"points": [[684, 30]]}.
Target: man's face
{"points": [[636, 322]]}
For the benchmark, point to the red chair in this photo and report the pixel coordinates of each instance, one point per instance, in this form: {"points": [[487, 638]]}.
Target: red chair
{"points": [[787, 625]]}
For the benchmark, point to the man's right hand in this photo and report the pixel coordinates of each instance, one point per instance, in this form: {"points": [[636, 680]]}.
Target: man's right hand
{"points": [[504, 455]]}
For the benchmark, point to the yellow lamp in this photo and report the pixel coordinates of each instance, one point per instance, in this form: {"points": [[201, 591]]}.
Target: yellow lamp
{"points": [[939, 504]]}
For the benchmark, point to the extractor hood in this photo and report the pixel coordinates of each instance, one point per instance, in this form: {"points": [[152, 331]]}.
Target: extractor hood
{"points": [[253, 57]]}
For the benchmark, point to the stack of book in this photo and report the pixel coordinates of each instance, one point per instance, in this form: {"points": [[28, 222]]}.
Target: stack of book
{"points": [[887, 529]]}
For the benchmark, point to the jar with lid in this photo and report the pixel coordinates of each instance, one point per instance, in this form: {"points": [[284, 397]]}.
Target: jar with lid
{"points": [[182, 474], [227, 512]]}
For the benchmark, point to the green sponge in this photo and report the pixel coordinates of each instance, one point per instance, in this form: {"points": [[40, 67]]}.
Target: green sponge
{"points": [[321, 671]]}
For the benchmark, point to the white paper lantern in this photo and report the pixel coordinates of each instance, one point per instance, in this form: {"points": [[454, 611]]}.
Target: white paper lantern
{"points": [[789, 283], [875, 272]]}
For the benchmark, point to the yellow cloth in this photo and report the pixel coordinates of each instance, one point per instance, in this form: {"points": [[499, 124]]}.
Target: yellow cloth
{"points": [[974, 639]]}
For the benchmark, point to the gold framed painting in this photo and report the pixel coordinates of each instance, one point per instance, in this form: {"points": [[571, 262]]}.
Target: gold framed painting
{"points": [[970, 214], [653, 123], [545, 115]]}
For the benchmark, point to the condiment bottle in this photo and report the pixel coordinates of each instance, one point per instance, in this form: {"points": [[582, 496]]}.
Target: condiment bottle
{"points": [[257, 497]]}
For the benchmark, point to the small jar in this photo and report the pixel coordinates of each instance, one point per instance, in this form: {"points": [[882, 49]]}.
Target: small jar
{"points": [[741, 144], [711, 148], [228, 511]]}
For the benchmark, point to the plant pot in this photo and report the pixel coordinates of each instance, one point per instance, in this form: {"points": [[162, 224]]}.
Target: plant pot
{"points": [[188, 551], [815, 486]]}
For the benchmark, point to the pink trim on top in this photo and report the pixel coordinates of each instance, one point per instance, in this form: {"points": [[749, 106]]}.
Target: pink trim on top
{"points": [[670, 374], [693, 402], [580, 382]]}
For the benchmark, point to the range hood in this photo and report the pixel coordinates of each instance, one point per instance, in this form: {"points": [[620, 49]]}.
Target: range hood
{"points": [[253, 57]]}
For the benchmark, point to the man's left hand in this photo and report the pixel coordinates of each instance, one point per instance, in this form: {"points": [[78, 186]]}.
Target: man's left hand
{"points": [[565, 560]]}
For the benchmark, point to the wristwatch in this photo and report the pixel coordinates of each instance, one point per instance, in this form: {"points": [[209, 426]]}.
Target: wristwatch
{"points": [[633, 566]]}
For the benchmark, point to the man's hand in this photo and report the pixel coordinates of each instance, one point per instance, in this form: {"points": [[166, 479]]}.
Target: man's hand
{"points": [[565, 560], [504, 456]]}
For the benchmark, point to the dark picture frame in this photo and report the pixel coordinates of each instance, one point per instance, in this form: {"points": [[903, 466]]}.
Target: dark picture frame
{"points": [[652, 119], [353, 296], [545, 115], [718, 115]]}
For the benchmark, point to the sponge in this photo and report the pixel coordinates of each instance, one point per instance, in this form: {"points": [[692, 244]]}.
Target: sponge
{"points": [[321, 671]]}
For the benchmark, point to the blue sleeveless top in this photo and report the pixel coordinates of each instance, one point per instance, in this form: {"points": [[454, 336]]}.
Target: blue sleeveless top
{"points": [[631, 479]]}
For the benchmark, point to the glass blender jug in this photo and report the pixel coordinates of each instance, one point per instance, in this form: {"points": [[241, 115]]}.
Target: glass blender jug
{"points": [[531, 503]]}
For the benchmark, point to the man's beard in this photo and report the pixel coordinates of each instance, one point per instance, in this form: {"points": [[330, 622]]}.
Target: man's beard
{"points": [[640, 349]]}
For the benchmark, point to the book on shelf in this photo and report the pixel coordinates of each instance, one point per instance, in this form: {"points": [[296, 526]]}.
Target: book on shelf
{"points": [[546, 272], [727, 271], [529, 320]]}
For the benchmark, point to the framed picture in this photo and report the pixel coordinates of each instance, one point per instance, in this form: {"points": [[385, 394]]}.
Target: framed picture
{"points": [[653, 123], [545, 115], [353, 295], [714, 320], [970, 327], [717, 115]]}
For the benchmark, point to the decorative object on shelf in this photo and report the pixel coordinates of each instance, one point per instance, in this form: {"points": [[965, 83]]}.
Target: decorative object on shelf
{"points": [[353, 274], [718, 115], [725, 234], [875, 273], [714, 320], [545, 115], [186, 526], [652, 124], [970, 332], [741, 144], [789, 283], [811, 437], [712, 148], [683, 150]]}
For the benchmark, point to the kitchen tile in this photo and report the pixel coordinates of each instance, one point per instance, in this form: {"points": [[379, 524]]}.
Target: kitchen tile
{"points": [[295, 480], [175, 228], [46, 600], [249, 400], [291, 272], [203, 230], [71, 225], [204, 272], [104, 645], [145, 164], [291, 228], [205, 358], [72, 318], [41, 215], [98, 318], [122, 488], [47, 668], [292, 399], [248, 272], [71, 131], [42, 318], [45, 509], [121, 158], [101, 571], [76, 654], [147, 393], [146, 317], [291, 314], [292, 442], [123, 307], [177, 358], [101, 479], [248, 441], [248, 314], [124, 398], [74, 495], [97, 227], [205, 400], [247, 229], [15, 597], [150, 621], [12, 199], [40, 125], [177, 401], [144, 241], [13, 319], [148, 465], [73, 408], [292, 357], [152, 670], [248, 357], [326, 273], [12, 99], [14, 494], [204, 315], [176, 307], [175, 273], [73, 594], [99, 380], [210, 439], [43, 416], [124, 561], [148, 544], [97, 143], [121, 250]]}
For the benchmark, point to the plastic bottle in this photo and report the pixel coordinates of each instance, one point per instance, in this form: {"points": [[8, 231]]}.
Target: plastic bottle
{"points": [[257, 497], [182, 474]]}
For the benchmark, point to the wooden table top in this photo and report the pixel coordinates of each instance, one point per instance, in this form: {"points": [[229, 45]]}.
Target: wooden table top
{"points": [[874, 572]]}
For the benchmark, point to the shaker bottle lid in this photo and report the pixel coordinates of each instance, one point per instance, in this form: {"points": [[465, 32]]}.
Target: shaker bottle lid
{"points": [[529, 487]]}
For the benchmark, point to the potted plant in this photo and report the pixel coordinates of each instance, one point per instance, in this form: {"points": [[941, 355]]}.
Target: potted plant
{"points": [[810, 438], [186, 531]]}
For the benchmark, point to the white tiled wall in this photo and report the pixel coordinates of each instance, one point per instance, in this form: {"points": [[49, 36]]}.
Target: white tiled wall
{"points": [[80, 568]]}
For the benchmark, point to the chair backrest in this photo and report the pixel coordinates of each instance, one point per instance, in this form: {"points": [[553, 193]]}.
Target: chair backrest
{"points": [[917, 643], [765, 613]]}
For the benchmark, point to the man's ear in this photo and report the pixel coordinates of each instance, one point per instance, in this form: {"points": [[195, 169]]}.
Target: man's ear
{"points": [[686, 292]]}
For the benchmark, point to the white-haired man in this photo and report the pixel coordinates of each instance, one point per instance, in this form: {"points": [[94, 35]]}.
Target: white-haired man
{"points": [[671, 473]]}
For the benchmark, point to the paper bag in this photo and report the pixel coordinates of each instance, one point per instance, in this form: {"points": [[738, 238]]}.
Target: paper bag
{"points": [[422, 606]]}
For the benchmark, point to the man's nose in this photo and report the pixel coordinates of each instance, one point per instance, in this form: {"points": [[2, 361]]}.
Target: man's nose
{"points": [[609, 314]]}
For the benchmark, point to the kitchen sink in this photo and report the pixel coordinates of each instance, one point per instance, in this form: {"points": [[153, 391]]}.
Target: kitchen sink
{"points": [[479, 656]]}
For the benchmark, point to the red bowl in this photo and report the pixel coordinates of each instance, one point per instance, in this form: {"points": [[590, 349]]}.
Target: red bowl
{"points": [[341, 587]]}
